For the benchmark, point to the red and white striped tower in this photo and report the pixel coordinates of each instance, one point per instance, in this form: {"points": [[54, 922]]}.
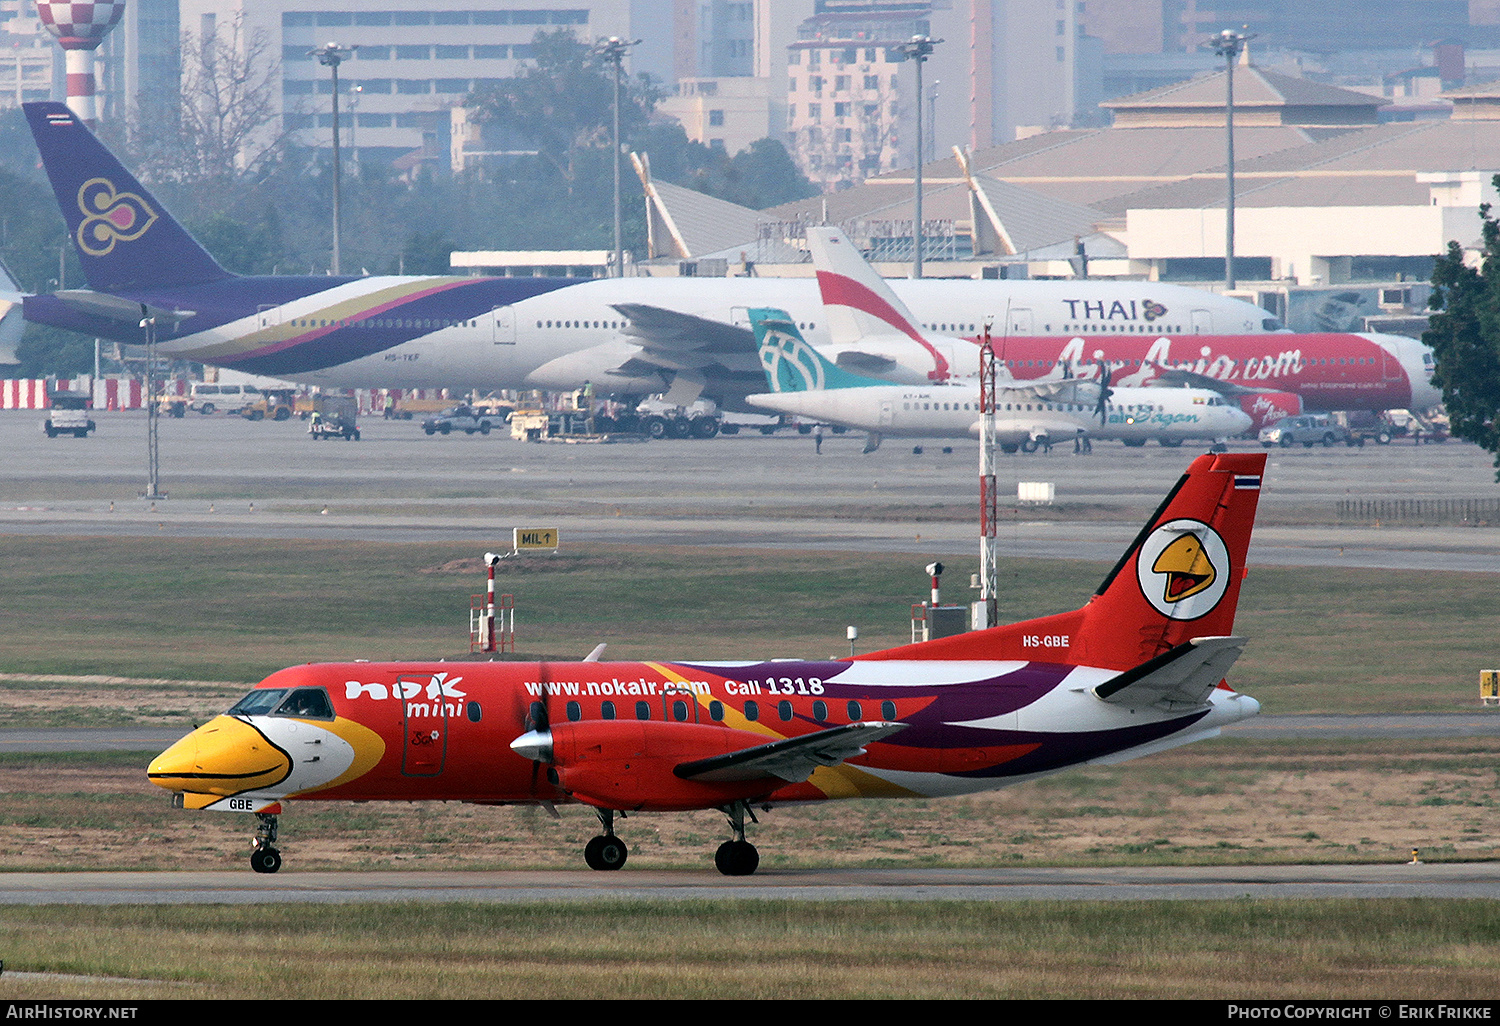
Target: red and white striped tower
{"points": [[80, 28]]}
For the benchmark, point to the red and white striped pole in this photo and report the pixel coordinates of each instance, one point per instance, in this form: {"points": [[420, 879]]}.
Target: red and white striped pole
{"points": [[490, 559]]}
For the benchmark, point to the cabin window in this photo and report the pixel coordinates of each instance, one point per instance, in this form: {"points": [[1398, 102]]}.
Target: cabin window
{"points": [[473, 711], [716, 711], [752, 710], [784, 710], [888, 710], [575, 712], [643, 710], [855, 712], [679, 711], [820, 710], [535, 715], [607, 711]]}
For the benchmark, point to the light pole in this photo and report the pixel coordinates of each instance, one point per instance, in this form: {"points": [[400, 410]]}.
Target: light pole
{"points": [[355, 95], [153, 402], [331, 56], [612, 51], [1229, 44], [918, 49]]}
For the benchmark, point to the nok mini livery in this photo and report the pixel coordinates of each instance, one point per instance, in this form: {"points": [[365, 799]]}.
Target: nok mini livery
{"points": [[1137, 669]]}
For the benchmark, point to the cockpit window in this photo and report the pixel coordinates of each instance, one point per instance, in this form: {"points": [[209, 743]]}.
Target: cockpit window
{"points": [[258, 703], [1271, 324], [311, 703]]}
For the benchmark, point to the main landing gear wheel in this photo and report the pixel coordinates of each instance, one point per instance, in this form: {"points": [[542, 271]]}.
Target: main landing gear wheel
{"points": [[606, 851], [737, 857]]}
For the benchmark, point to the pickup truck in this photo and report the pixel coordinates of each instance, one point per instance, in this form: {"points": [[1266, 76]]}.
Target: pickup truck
{"points": [[459, 418]]}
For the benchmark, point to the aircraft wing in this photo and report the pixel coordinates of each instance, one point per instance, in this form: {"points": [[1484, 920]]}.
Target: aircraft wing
{"points": [[1183, 676], [1192, 379], [1080, 391], [12, 323], [693, 355], [671, 332], [792, 759]]}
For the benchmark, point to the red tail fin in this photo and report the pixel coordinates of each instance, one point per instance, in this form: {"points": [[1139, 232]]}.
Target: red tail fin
{"points": [[1178, 580]]}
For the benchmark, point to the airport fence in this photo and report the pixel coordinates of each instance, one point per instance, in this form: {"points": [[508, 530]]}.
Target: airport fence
{"points": [[1418, 512]]}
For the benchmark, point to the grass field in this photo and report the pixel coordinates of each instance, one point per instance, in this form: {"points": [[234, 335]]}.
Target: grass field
{"points": [[1338, 640], [765, 949]]}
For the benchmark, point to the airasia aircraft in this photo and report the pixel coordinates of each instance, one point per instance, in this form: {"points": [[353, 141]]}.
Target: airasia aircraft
{"points": [[1138, 669], [1268, 376]]}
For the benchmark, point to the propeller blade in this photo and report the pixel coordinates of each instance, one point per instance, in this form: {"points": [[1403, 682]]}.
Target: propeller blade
{"points": [[1106, 375]]}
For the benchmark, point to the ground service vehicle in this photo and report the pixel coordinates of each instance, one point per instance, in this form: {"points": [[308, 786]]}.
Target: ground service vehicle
{"points": [[68, 415], [208, 398], [1308, 430], [1138, 669], [274, 404], [459, 418], [334, 416]]}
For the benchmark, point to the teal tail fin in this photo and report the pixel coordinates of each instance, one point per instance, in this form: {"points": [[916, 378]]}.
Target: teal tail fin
{"points": [[790, 363]]}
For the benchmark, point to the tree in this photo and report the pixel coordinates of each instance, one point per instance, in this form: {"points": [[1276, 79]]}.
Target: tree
{"points": [[224, 123], [1464, 335], [563, 104]]}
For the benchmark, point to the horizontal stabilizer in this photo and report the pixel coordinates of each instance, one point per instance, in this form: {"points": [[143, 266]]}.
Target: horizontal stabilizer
{"points": [[792, 759], [116, 308], [871, 365], [1182, 676]]}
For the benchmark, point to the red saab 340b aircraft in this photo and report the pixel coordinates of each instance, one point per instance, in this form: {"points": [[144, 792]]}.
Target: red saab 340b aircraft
{"points": [[1138, 669]]}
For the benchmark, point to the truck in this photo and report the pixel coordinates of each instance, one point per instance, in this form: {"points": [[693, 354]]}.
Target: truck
{"points": [[69, 415], [334, 416], [273, 404]]}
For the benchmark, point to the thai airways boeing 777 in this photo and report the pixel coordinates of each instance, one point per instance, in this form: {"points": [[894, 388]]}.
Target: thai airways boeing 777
{"points": [[630, 336]]}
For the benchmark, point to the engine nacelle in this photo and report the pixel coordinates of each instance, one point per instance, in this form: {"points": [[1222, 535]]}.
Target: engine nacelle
{"points": [[628, 764]]}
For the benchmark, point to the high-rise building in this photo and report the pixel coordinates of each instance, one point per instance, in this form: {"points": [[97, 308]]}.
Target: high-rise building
{"points": [[410, 62]]}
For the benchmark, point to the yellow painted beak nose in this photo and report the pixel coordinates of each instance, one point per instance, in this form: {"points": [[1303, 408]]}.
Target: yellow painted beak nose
{"points": [[224, 756]]}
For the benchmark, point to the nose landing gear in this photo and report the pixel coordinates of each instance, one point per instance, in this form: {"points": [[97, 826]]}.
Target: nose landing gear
{"points": [[265, 857]]}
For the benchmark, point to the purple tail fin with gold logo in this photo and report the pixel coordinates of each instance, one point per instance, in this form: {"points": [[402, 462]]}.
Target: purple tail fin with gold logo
{"points": [[124, 236]]}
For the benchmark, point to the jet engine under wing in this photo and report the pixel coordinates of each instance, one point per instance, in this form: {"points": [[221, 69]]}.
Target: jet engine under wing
{"points": [[1181, 677], [792, 759]]}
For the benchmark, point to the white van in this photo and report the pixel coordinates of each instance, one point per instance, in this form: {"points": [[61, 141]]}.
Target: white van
{"points": [[207, 398]]}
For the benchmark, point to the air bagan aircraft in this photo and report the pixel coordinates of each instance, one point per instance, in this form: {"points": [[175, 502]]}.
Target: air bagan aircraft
{"points": [[628, 336], [1138, 669], [1028, 414]]}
